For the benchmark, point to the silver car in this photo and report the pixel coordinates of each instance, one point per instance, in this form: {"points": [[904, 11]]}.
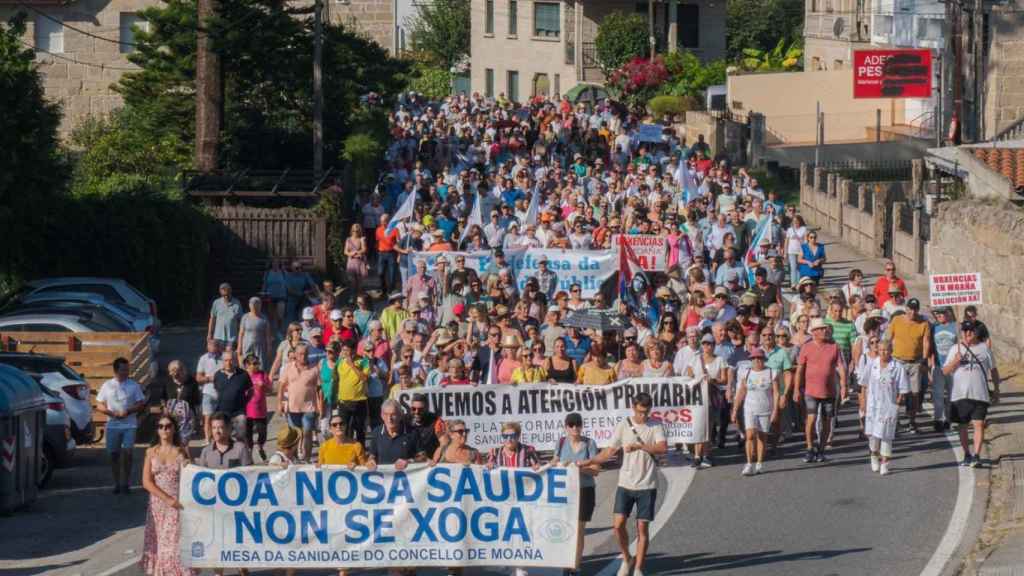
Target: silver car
{"points": [[51, 302], [113, 290], [58, 377], [69, 321]]}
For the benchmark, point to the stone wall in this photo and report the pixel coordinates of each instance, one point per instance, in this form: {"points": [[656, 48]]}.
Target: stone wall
{"points": [[1004, 98], [374, 18], [972, 236], [83, 90]]}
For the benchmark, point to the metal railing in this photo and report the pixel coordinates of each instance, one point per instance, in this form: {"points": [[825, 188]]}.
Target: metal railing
{"points": [[871, 171], [590, 55]]}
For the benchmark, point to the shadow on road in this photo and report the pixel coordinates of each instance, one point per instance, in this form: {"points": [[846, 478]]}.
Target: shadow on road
{"points": [[706, 562]]}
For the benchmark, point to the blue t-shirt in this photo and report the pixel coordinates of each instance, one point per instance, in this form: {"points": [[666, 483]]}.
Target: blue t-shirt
{"points": [[578, 352], [566, 454], [944, 336]]}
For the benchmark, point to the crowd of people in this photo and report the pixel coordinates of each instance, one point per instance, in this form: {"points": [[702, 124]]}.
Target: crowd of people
{"points": [[740, 304]]}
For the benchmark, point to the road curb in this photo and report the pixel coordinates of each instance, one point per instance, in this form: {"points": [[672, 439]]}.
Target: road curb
{"points": [[975, 522]]}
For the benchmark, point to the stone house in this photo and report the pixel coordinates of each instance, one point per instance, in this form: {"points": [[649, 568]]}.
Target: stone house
{"points": [[536, 47]]}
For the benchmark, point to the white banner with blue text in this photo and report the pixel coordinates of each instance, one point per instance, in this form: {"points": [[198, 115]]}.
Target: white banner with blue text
{"points": [[680, 405], [336, 517]]}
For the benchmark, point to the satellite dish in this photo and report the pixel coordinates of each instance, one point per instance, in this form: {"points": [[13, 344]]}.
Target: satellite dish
{"points": [[838, 26]]}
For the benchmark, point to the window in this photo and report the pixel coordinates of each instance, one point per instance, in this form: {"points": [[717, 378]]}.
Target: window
{"points": [[489, 82], [130, 21], [688, 25], [837, 64], [489, 17], [513, 17], [512, 85], [49, 35], [547, 19], [558, 83], [929, 29]]}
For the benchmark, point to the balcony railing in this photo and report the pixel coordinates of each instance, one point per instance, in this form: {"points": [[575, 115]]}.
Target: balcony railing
{"points": [[851, 27]]}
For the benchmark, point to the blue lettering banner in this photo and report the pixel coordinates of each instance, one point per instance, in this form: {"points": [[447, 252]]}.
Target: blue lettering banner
{"points": [[335, 517]]}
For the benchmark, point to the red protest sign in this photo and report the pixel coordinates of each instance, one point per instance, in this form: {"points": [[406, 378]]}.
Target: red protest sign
{"points": [[897, 73]]}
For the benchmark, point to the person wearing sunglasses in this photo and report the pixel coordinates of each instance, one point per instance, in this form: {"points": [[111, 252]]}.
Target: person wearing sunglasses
{"points": [[513, 454], [161, 473], [454, 449], [575, 448]]}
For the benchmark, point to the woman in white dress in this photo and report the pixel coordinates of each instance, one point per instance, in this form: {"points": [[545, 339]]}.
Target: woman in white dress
{"points": [[864, 353], [886, 384], [757, 394]]}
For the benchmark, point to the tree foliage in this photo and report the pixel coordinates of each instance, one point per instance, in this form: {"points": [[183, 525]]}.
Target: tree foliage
{"points": [[441, 29], [621, 37], [781, 57], [690, 77], [32, 168], [265, 49], [761, 24], [637, 81]]}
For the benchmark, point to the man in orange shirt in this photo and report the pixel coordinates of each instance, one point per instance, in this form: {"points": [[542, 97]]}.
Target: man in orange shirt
{"points": [[387, 258], [889, 279]]}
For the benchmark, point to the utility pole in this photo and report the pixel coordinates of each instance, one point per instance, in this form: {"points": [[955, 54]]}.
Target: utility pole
{"points": [[318, 92], [209, 91], [650, 27]]}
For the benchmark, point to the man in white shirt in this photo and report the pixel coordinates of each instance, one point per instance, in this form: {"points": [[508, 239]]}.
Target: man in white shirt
{"points": [[642, 442], [121, 398]]}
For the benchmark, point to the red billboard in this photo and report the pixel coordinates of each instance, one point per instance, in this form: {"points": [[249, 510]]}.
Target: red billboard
{"points": [[898, 73]]}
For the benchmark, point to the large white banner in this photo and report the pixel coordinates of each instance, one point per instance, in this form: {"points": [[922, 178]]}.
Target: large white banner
{"points": [[680, 406], [589, 268], [334, 517]]}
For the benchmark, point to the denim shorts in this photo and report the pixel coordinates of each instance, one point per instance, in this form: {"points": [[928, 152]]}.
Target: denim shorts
{"points": [[304, 420], [120, 439], [626, 499]]}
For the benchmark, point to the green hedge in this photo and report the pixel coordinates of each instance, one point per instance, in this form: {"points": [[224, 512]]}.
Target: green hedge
{"points": [[156, 243]]}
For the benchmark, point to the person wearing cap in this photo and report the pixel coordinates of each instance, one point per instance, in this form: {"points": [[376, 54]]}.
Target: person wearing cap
{"points": [[944, 336], [308, 322], [911, 345], [722, 303], [884, 387], [547, 279], [888, 285], [757, 394], [730, 272], [895, 305], [818, 367], [972, 367], [575, 448], [225, 316], [394, 315], [711, 368]]}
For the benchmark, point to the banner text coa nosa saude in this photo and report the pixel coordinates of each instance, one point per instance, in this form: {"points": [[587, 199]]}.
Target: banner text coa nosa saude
{"points": [[334, 517]]}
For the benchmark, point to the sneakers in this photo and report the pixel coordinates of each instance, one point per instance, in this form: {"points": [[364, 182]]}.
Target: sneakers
{"points": [[695, 463], [759, 468], [874, 463], [638, 572], [748, 470], [809, 457], [975, 462], [884, 469], [966, 461], [706, 463], [821, 457], [625, 568]]}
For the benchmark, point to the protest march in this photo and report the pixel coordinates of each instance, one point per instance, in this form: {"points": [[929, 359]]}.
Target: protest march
{"points": [[535, 295]]}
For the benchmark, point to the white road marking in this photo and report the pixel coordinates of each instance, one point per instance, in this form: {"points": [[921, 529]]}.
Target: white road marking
{"points": [[961, 512], [677, 481], [121, 566]]}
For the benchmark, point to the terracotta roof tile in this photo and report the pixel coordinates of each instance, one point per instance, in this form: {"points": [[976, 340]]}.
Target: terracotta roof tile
{"points": [[1007, 161]]}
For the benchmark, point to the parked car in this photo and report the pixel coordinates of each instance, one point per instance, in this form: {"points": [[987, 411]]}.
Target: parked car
{"points": [[95, 305], [58, 377], [58, 445], [67, 321], [113, 290]]}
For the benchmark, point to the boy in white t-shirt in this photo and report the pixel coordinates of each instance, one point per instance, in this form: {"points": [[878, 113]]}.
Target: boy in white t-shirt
{"points": [[642, 442]]}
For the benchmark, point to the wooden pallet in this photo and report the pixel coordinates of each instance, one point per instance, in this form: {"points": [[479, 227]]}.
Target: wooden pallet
{"points": [[91, 354]]}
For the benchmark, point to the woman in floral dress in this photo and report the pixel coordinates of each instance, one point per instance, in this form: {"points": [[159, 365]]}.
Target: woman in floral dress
{"points": [[160, 475]]}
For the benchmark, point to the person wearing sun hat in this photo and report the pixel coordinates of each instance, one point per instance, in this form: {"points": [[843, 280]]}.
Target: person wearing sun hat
{"points": [[287, 444], [818, 365]]}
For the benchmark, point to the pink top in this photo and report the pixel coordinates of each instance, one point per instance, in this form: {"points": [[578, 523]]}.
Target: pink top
{"points": [[256, 407]]}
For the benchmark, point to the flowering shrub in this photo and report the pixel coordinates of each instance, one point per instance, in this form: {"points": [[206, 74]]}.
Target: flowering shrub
{"points": [[638, 80]]}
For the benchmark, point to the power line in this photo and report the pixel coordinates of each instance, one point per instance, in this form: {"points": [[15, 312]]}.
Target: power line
{"points": [[74, 61], [79, 30]]}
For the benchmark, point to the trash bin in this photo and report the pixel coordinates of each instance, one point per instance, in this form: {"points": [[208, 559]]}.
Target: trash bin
{"points": [[22, 425]]}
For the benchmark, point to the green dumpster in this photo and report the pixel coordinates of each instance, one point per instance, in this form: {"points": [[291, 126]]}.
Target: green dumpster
{"points": [[22, 424]]}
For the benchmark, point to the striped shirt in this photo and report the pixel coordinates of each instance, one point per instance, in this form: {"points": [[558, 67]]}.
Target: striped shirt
{"points": [[843, 333]]}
